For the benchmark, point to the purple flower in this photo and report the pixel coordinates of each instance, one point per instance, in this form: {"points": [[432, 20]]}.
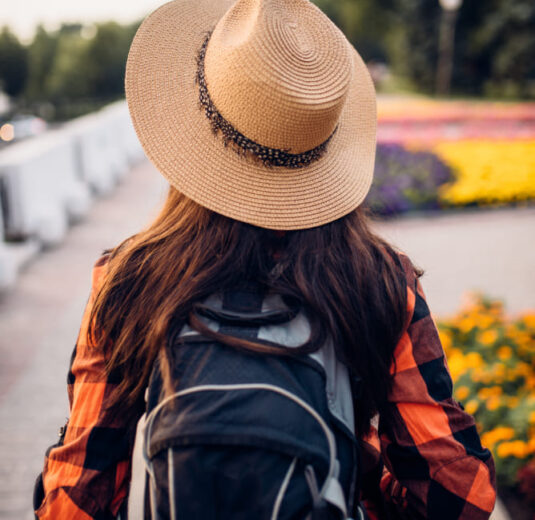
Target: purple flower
{"points": [[405, 180]]}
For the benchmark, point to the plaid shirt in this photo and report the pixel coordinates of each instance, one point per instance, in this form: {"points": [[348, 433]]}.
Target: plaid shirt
{"points": [[428, 464]]}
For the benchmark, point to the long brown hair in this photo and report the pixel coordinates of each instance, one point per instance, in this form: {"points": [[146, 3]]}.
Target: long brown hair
{"points": [[348, 280]]}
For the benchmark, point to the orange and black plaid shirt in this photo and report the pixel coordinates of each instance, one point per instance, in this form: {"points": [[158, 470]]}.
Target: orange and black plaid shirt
{"points": [[428, 463]]}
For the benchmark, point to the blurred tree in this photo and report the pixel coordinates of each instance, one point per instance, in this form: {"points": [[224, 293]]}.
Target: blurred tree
{"points": [[414, 52], [68, 76], [106, 58], [494, 45], [71, 28], [366, 23], [13, 63], [42, 52], [77, 68], [494, 49], [503, 43]]}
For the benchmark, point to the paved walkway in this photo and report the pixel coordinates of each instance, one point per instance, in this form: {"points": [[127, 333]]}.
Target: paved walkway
{"points": [[39, 319], [488, 250], [39, 323]]}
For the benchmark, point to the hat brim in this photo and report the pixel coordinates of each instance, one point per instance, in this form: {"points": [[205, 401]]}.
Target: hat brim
{"points": [[163, 100]]}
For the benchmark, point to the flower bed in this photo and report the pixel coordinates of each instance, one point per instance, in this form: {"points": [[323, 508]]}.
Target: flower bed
{"points": [[489, 149], [405, 180], [488, 172], [492, 364]]}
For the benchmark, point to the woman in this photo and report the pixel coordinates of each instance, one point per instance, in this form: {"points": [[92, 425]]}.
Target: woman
{"points": [[262, 117]]}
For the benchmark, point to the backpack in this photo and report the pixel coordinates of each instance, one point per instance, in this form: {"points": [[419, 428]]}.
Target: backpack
{"points": [[246, 435]]}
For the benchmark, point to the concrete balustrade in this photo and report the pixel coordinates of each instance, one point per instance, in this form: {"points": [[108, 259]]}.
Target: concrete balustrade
{"points": [[123, 131], [90, 145], [43, 188], [106, 146], [12, 256], [48, 182]]}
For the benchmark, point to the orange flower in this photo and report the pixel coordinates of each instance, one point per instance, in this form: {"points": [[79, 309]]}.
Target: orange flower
{"points": [[505, 353]]}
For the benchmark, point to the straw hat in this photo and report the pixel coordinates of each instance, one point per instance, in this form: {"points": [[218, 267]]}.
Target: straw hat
{"points": [[260, 110]]}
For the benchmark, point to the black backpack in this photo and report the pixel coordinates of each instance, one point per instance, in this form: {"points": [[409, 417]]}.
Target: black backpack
{"points": [[244, 435]]}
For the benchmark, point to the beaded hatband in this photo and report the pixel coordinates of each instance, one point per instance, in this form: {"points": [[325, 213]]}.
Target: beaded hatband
{"points": [[241, 144]]}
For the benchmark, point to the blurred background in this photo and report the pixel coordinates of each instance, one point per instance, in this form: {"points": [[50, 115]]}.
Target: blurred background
{"points": [[454, 188]]}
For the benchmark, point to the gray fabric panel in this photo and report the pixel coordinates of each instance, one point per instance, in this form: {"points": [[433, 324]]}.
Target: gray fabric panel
{"points": [[338, 388]]}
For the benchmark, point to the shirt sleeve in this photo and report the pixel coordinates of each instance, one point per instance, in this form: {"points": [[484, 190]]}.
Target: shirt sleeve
{"points": [[435, 464], [87, 474]]}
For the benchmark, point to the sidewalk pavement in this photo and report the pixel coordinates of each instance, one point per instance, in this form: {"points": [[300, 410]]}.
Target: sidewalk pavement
{"points": [[39, 322], [39, 319], [488, 250]]}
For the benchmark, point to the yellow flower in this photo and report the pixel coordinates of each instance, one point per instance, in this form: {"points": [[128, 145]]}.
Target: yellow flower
{"points": [[493, 403], [499, 372], [501, 433], [489, 171], [466, 324], [482, 376], [491, 391], [531, 419], [456, 364], [517, 449], [484, 322], [488, 337], [529, 320], [505, 353], [524, 339], [445, 339], [471, 406], [462, 393], [474, 360]]}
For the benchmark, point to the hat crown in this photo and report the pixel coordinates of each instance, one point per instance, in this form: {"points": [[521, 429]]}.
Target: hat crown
{"points": [[279, 72]]}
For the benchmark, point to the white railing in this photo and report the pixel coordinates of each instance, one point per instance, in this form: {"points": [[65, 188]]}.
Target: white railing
{"points": [[49, 181]]}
